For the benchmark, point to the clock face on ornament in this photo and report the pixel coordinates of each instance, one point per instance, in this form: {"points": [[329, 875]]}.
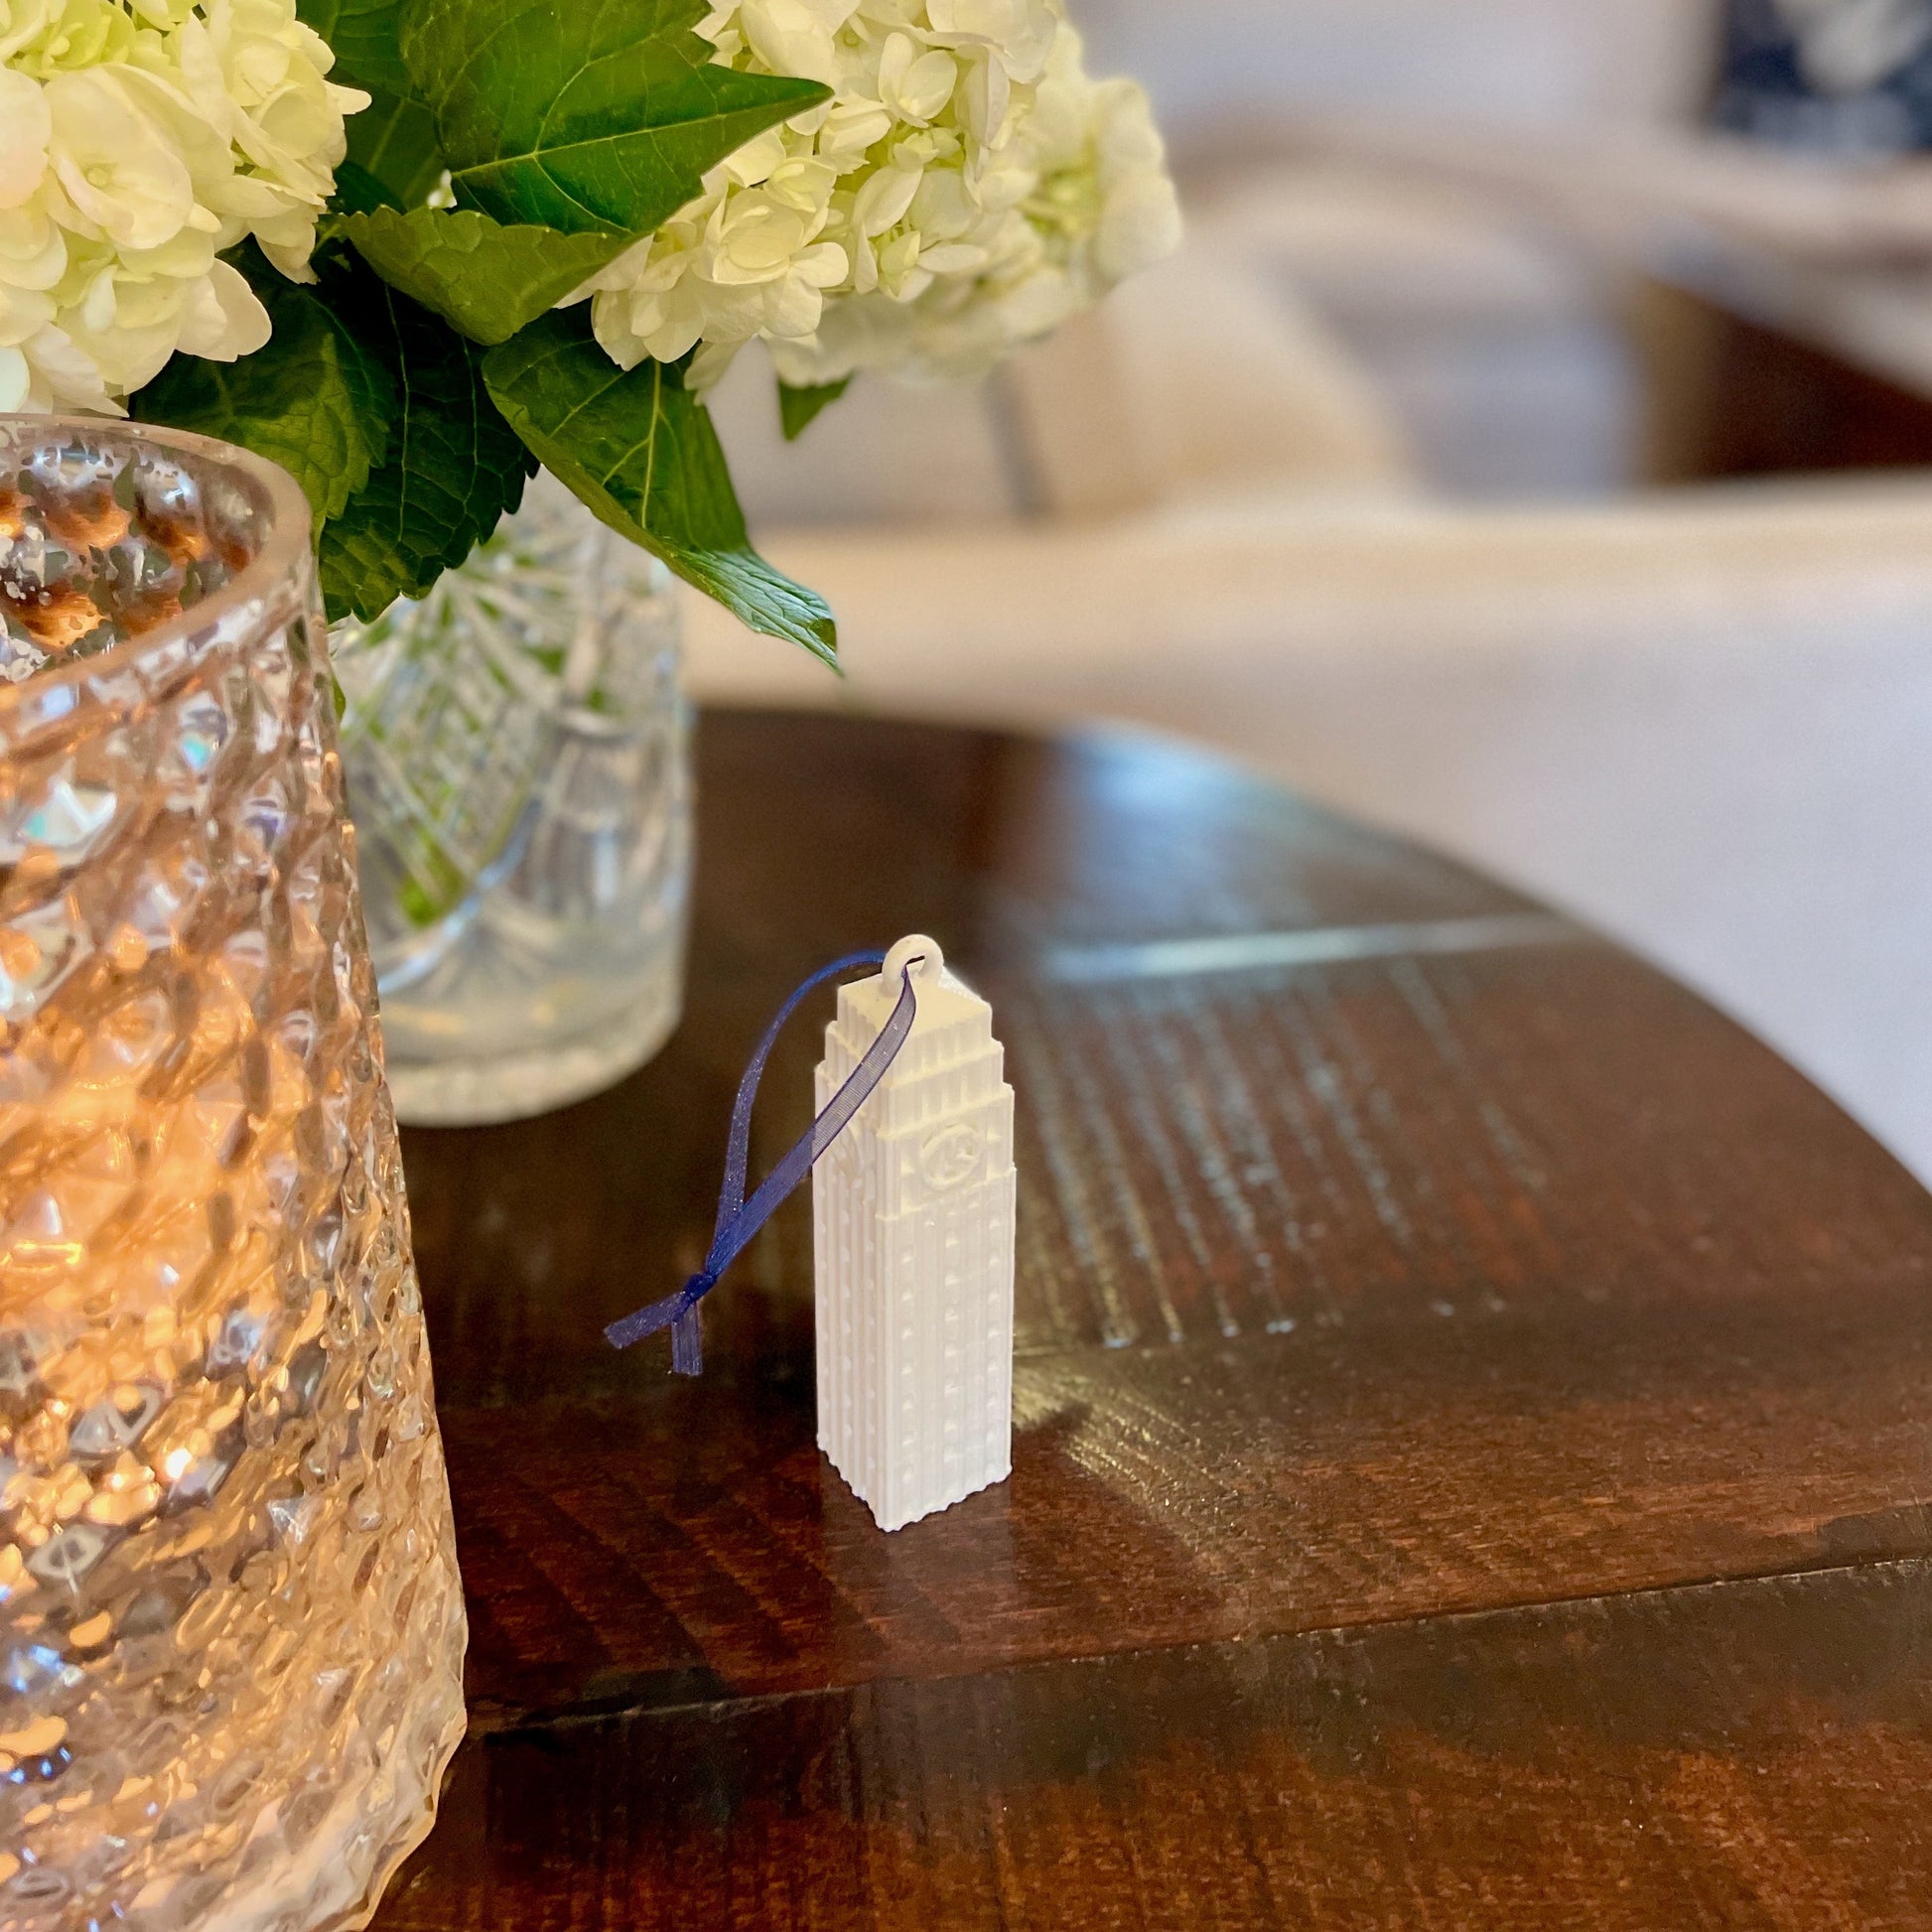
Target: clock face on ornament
{"points": [[951, 1156]]}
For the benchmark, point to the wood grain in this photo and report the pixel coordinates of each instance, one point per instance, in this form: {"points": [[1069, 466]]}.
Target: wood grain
{"points": [[1747, 1755], [1394, 1261]]}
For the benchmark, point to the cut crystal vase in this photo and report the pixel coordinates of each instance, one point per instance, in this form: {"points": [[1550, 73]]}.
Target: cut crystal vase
{"points": [[518, 768], [231, 1625]]}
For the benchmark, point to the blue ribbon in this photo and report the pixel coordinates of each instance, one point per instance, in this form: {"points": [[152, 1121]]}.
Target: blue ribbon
{"points": [[739, 1221]]}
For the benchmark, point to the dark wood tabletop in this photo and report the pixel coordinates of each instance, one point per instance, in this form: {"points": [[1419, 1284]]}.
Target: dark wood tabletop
{"points": [[1472, 1438]]}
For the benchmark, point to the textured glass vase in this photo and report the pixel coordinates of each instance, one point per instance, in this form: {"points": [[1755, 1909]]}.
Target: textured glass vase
{"points": [[231, 1625], [519, 771]]}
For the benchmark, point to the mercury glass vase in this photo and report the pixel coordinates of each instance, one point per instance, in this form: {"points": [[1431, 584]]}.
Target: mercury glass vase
{"points": [[519, 767], [231, 1625]]}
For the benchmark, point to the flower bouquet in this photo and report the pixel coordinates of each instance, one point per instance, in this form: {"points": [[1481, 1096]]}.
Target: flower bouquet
{"points": [[414, 250]]}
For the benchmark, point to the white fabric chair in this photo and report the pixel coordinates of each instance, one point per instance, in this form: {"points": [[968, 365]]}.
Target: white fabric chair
{"points": [[1216, 66], [1494, 339]]}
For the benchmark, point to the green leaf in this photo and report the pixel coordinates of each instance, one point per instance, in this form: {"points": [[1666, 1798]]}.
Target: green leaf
{"points": [[592, 114], [640, 450], [393, 141], [798, 406], [358, 192], [486, 279], [314, 399], [363, 34], [453, 465]]}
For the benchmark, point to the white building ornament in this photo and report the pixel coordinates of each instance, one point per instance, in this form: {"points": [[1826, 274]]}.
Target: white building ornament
{"points": [[913, 1224], [912, 1197]]}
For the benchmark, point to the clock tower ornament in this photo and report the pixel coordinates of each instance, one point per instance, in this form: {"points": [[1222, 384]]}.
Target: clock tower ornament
{"points": [[912, 1205], [914, 1248]]}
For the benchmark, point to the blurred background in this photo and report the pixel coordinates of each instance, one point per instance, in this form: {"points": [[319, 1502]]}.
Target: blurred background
{"points": [[1530, 450]]}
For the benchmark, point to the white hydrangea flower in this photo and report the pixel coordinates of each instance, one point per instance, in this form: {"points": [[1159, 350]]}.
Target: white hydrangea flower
{"points": [[967, 188], [139, 140]]}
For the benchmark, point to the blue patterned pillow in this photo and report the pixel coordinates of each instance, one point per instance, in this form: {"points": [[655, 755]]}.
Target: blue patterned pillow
{"points": [[1846, 76]]}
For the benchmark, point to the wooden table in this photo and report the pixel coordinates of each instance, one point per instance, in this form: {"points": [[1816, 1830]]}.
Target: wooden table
{"points": [[1472, 1448]]}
